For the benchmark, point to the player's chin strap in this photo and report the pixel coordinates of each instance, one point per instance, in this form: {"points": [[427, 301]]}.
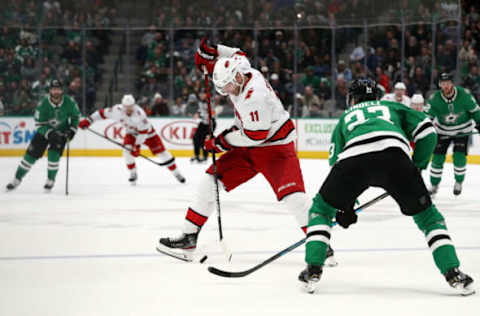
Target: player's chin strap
{"points": [[162, 164], [240, 274]]}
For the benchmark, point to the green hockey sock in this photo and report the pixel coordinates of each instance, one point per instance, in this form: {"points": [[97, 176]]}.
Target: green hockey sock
{"points": [[25, 166], [436, 169], [53, 163], [432, 224], [459, 166], [318, 231]]}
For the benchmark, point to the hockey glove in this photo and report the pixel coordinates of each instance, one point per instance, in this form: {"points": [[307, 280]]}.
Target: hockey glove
{"points": [[85, 123], [346, 218], [70, 133], [206, 56], [56, 139], [219, 143]]}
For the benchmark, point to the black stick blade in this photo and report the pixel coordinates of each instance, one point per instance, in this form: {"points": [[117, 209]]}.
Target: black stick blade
{"points": [[227, 274]]}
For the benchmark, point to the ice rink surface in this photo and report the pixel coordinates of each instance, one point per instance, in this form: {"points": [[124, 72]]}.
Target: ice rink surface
{"points": [[93, 252]]}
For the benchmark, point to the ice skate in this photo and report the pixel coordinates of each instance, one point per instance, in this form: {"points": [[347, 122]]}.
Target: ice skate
{"points": [[133, 178], [330, 260], [13, 184], [181, 247], [457, 188], [195, 159], [310, 277], [433, 190], [49, 185], [460, 281]]}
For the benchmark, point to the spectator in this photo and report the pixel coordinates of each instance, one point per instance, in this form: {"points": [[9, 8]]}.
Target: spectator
{"points": [[420, 81], [343, 70], [382, 79], [312, 107], [159, 106], [178, 108], [309, 79]]}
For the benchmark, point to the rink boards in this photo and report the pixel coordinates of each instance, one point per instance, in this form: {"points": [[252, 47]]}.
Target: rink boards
{"points": [[176, 133]]}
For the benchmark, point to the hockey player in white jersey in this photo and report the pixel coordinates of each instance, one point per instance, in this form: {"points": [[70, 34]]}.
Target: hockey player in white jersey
{"points": [[138, 131], [261, 140], [398, 95]]}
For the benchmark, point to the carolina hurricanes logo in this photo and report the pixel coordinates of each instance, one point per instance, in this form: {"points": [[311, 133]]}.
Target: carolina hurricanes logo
{"points": [[227, 63]]}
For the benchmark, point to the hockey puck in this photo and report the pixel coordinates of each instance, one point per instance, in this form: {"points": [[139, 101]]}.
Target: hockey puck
{"points": [[204, 258]]}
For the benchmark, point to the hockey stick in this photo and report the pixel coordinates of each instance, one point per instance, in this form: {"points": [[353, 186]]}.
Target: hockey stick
{"points": [[240, 274], [140, 155], [226, 250], [68, 159]]}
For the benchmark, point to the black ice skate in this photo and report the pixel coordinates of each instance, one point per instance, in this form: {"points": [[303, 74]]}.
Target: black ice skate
{"points": [[185, 243], [433, 190], [49, 185], [457, 188], [13, 185], [460, 281], [133, 178], [310, 276]]}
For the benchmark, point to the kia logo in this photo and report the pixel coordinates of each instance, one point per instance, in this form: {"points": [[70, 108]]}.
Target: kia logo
{"points": [[114, 130], [179, 132]]}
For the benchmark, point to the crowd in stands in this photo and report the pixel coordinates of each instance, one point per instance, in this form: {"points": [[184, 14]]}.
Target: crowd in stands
{"points": [[42, 40], [308, 75]]}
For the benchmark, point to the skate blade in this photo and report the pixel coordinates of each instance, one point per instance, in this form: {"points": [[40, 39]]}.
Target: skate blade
{"points": [[330, 262], [187, 257], [466, 291], [311, 286]]}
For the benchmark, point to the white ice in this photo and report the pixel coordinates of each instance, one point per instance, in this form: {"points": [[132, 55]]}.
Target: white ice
{"points": [[93, 252]]}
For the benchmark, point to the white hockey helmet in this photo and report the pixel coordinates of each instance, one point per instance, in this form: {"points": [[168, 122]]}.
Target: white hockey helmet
{"points": [[128, 100], [225, 72]]}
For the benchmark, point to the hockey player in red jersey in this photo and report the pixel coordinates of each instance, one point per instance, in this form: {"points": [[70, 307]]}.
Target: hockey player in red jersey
{"points": [[139, 131], [261, 140]]}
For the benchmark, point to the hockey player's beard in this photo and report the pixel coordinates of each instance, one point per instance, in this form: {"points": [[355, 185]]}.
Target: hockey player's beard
{"points": [[448, 93], [56, 98]]}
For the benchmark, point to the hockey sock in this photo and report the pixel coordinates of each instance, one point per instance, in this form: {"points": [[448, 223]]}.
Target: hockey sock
{"points": [[459, 165], [318, 231], [436, 169], [432, 224], [24, 166], [298, 204], [202, 205], [53, 163]]}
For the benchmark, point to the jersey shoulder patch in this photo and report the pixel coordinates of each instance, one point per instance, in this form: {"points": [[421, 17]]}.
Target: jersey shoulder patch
{"points": [[249, 93]]}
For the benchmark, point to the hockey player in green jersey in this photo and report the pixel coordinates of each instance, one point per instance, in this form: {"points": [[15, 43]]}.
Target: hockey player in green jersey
{"points": [[370, 144], [454, 113], [56, 119]]}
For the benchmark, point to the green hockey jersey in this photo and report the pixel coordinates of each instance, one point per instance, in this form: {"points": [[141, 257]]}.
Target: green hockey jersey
{"points": [[377, 125], [457, 115], [49, 116]]}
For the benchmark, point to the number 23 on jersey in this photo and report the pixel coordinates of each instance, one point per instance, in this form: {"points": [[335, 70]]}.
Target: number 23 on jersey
{"points": [[360, 116]]}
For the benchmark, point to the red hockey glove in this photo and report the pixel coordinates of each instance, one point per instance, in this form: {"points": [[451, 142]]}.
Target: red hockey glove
{"points": [[85, 123], [206, 56], [219, 143]]}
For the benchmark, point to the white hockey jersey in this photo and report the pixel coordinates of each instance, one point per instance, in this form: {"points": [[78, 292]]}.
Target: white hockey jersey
{"points": [[391, 97], [259, 113], [135, 124]]}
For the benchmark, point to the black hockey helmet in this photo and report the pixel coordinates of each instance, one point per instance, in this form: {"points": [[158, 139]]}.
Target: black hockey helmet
{"points": [[445, 76], [361, 90], [55, 83]]}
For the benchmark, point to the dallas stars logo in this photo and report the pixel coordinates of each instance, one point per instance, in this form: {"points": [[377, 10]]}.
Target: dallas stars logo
{"points": [[451, 118]]}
